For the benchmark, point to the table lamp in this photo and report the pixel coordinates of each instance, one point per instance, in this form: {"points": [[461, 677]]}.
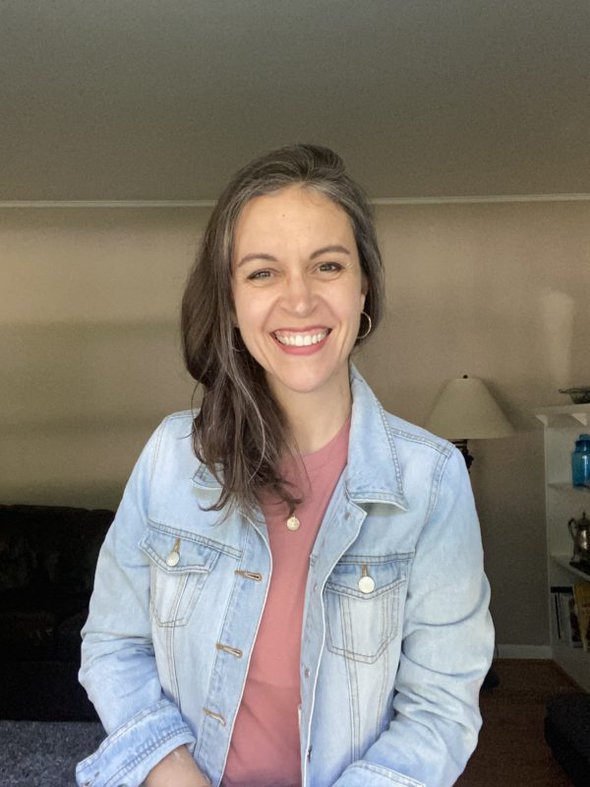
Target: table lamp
{"points": [[466, 410]]}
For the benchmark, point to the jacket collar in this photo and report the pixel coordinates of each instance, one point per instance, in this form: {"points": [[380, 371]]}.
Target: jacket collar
{"points": [[204, 478], [373, 473]]}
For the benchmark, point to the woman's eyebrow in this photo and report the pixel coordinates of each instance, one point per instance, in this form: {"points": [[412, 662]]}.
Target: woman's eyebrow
{"points": [[256, 256], [317, 253], [326, 249]]}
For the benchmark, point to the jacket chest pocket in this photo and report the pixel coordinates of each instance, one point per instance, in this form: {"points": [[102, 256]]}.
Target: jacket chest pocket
{"points": [[363, 598], [179, 568]]}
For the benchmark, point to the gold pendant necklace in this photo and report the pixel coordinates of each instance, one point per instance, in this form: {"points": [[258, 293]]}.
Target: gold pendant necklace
{"points": [[293, 523]]}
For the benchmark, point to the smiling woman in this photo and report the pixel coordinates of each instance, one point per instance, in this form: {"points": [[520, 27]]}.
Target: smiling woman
{"points": [[292, 591], [244, 433], [298, 301]]}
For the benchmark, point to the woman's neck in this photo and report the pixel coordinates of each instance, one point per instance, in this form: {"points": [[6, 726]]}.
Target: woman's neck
{"points": [[315, 418]]}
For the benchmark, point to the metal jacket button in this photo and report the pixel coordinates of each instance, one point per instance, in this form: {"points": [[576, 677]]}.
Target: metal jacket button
{"points": [[174, 555], [366, 583]]}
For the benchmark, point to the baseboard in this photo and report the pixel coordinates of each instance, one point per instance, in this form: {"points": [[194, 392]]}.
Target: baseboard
{"points": [[524, 652]]}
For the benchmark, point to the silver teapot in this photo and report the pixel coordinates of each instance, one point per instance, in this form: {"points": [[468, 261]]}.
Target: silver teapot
{"points": [[580, 533]]}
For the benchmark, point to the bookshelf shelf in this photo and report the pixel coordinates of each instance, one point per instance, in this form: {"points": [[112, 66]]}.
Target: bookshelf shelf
{"points": [[559, 415], [564, 562], [562, 426], [565, 486]]}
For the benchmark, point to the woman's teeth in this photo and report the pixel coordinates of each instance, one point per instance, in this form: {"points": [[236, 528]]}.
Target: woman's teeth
{"points": [[301, 339]]}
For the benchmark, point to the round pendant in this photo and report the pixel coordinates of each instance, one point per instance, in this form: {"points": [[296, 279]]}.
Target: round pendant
{"points": [[172, 559], [293, 523], [366, 584]]}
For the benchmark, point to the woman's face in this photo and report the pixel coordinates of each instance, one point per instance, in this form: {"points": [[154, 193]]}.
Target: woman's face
{"points": [[298, 289]]}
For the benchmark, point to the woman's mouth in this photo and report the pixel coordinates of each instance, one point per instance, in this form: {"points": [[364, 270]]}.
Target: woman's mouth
{"points": [[296, 339]]}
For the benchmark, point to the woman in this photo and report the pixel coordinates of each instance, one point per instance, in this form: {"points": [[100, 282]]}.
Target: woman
{"points": [[292, 591]]}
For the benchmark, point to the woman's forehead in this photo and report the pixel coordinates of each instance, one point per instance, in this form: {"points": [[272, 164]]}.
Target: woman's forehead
{"points": [[297, 208]]}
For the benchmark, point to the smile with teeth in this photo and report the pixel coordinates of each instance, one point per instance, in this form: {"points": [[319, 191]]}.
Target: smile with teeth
{"points": [[300, 339]]}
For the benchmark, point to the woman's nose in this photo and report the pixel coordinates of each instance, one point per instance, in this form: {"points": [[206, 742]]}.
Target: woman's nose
{"points": [[298, 295]]}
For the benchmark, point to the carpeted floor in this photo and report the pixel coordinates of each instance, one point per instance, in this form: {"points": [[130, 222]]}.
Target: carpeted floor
{"points": [[512, 751], [45, 753]]}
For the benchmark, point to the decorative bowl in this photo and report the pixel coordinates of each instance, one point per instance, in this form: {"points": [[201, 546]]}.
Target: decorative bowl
{"points": [[580, 395]]}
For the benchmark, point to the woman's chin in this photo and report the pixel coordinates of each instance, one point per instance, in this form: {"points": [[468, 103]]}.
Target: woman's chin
{"points": [[308, 384]]}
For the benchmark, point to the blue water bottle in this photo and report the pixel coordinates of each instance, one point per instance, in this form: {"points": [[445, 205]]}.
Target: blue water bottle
{"points": [[581, 461]]}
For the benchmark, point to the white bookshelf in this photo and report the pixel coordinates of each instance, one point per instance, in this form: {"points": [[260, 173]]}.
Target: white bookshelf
{"points": [[562, 425]]}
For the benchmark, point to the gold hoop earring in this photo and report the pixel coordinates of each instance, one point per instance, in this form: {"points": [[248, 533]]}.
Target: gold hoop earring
{"points": [[369, 327]]}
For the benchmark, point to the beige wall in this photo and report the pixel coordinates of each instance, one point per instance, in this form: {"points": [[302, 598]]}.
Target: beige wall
{"points": [[88, 345], [90, 357]]}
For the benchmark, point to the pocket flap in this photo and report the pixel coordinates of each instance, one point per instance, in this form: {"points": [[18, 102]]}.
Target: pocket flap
{"points": [[172, 552], [385, 572]]}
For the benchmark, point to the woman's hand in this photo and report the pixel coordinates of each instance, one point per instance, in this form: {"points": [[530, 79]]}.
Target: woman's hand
{"points": [[177, 769]]}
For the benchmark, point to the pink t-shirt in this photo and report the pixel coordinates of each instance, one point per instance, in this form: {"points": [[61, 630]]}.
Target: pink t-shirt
{"points": [[264, 748]]}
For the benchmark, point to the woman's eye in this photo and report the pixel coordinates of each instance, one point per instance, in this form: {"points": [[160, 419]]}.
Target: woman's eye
{"points": [[257, 275], [330, 267]]}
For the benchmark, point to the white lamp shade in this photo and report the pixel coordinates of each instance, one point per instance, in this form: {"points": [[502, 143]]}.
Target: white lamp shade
{"points": [[466, 410]]}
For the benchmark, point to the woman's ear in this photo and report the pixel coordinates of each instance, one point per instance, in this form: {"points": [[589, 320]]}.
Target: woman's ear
{"points": [[364, 289], [364, 283]]}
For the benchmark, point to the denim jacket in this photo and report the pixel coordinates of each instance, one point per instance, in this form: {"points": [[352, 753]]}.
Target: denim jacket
{"points": [[390, 669]]}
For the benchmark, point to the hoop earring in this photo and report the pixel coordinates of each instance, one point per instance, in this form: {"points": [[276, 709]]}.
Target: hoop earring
{"points": [[369, 327]]}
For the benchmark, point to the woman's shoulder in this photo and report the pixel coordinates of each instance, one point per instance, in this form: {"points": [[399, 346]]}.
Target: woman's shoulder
{"points": [[172, 440], [179, 419], [405, 430], [170, 459], [375, 419]]}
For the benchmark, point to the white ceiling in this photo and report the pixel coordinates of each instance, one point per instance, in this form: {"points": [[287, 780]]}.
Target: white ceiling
{"points": [[162, 100]]}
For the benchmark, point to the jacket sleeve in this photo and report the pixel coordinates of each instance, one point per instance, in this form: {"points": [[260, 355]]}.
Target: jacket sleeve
{"points": [[118, 666], [447, 647]]}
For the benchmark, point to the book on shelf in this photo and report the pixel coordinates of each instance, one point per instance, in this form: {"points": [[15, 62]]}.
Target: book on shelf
{"points": [[567, 625], [582, 605], [556, 613]]}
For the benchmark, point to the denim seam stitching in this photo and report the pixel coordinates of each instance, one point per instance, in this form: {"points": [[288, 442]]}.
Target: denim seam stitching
{"points": [[217, 546], [128, 767]]}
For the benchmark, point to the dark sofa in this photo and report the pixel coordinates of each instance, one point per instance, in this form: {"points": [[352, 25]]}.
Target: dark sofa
{"points": [[47, 560]]}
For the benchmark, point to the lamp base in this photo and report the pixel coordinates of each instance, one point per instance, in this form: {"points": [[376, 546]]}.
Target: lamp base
{"points": [[491, 680], [462, 446]]}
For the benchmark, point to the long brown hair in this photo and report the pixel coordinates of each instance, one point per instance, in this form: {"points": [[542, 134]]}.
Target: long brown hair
{"points": [[241, 432]]}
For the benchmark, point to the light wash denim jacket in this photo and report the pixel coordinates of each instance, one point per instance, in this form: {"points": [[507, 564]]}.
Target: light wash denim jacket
{"points": [[389, 678]]}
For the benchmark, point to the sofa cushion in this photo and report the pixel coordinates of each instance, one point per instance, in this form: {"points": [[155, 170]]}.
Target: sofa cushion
{"points": [[48, 557], [43, 691], [45, 548]]}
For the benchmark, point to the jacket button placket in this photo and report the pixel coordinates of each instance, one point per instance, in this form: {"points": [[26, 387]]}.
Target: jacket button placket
{"points": [[234, 644]]}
